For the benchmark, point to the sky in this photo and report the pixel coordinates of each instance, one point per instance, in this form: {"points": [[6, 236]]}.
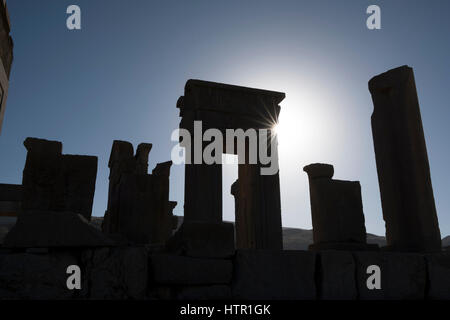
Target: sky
{"points": [[119, 77]]}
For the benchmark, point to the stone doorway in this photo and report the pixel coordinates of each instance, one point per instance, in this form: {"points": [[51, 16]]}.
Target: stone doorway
{"points": [[258, 209]]}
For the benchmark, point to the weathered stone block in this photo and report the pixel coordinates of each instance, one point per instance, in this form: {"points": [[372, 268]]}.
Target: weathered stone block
{"points": [[336, 208], [78, 177], [203, 239], [337, 276], [115, 273], [36, 277], [271, 275], [54, 229], [41, 173], [439, 275], [215, 292], [403, 275], [177, 270], [55, 182]]}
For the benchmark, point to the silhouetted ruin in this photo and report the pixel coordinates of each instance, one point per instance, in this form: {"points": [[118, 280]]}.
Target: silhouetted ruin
{"points": [[222, 106], [138, 202], [402, 163], [57, 182], [336, 209], [138, 256], [56, 201]]}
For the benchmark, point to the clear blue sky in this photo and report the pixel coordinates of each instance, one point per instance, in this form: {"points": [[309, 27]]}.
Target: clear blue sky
{"points": [[120, 77]]}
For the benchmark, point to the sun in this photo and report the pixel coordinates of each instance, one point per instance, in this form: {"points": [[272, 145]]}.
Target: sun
{"points": [[275, 129]]}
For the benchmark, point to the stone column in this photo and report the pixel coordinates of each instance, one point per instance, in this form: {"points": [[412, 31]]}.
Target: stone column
{"points": [[336, 211], [203, 192], [402, 163], [41, 174], [162, 207], [258, 219]]}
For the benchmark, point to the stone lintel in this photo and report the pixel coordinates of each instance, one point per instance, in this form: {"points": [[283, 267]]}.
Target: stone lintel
{"points": [[225, 98]]}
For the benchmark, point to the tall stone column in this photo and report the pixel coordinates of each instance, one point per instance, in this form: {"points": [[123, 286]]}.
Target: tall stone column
{"points": [[258, 219], [402, 163], [203, 192]]}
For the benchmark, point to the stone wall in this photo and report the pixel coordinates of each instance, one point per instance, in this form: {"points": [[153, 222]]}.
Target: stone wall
{"points": [[141, 273]]}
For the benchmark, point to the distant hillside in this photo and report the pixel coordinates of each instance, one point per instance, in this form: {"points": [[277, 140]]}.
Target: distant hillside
{"points": [[300, 239], [446, 242]]}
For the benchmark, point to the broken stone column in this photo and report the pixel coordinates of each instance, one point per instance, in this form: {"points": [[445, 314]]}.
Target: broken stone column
{"points": [[57, 196], [138, 203], [41, 173], [336, 210], [402, 163], [79, 174], [163, 208], [57, 182]]}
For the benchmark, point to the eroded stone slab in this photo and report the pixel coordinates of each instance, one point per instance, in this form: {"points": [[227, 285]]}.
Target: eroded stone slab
{"points": [[403, 275], [274, 275], [48, 229], [203, 239], [115, 273], [35, 276], [337, 276], [439, 275], [178, 270]]}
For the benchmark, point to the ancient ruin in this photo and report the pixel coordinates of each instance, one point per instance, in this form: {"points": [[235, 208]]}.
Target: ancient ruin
{"points": [[402, 163], [222, 106], [57, 194], [56, 182], [138, 203], [137, 256], [337, 211]]}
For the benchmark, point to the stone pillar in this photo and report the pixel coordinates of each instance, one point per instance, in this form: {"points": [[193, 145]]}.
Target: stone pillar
{"points": [[162, 209], [121, 161], [402, 163], [41, 173], [79, 174], [336, 210], [258, 219], [203, 192]]}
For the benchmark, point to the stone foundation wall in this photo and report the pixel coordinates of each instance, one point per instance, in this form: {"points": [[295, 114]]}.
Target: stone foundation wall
{"points": [[148, 273]]}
